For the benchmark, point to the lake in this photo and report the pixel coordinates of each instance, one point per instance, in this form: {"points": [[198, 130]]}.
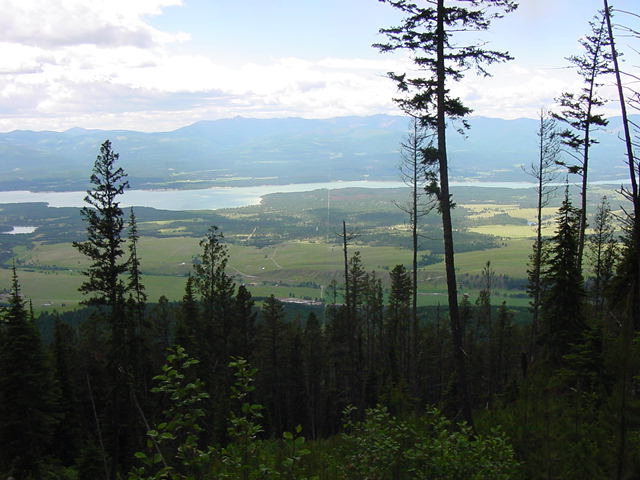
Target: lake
{"points": [[220, 197]]}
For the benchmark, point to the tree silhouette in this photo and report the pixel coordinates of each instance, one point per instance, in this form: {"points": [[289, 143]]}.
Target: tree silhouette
{"points": [[27, 414], [428, 33], [578, 110]]}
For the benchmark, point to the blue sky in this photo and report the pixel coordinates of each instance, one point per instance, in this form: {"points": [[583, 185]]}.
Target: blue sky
{"points": [[156, 65]]}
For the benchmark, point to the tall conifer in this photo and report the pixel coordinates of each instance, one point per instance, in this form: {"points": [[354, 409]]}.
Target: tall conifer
{"points": [[27, 414], [427, 32]]}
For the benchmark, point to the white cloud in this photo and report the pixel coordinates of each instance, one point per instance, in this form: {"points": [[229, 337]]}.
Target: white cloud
{"points": [[515, 91], [54, 23], [100, 64]]}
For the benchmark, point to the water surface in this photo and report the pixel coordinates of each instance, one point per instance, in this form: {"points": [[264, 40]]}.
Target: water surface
{"points": [[224, 197]]}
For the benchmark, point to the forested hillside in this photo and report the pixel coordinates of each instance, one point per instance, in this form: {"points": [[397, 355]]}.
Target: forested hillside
{"points": [[362, 382], [245, 151]]}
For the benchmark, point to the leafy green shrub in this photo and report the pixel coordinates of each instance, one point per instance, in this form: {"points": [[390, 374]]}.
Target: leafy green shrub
{"points": [[172, 445], [381, 447]]}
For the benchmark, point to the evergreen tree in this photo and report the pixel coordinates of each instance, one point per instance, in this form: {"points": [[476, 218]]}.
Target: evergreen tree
{"points": [[67, 435], [504, 344], [396, 319], [216, 289], [27, 405], [188, 327], [135, 287], [212, 337], [481, 340], [416, 176], [373, 337], [104, 245], [245, 324], [272, 360], [160, 332], [633, 244], [578, 111], [104, 248], [602, 253], [357, 281], [562, 286], [427, 33], [313, 359]]}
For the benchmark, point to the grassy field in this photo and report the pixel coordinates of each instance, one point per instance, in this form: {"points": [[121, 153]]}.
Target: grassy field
{"points": [[291, 269], [298, 255]]}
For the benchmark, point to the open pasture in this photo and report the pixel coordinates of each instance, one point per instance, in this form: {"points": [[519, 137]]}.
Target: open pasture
{"points": [[285, 245], [51, 273]]}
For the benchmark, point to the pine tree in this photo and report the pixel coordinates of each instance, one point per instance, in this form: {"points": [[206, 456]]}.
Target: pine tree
{"points": [[104, 246], [416, 175], [427, 32], [578, 111], [504, 344], [27, 405], [244, 323], [480, 347], [188, 327], [373, 336], [160, 334], [67, 436], [602, 253], [563, 294], [396, 319], [105, 288], [314, 358], [212, 335], [272, 356], [216, 289], [135, 286]]}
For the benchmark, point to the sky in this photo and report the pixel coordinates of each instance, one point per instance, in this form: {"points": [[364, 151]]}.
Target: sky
{"points": [[158, 65]]}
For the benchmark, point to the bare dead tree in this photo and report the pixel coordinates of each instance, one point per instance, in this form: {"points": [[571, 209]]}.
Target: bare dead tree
{"points": [[415, 172], [346, 238], [544, 171]]}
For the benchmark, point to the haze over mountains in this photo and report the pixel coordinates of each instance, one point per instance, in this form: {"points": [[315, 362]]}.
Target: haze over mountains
{"points": [[245, 151]]}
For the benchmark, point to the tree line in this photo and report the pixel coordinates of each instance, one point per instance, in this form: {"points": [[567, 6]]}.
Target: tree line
{"points": [[106, 402]]}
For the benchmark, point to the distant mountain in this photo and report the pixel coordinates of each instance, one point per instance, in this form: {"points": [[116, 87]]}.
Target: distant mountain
{"points": [[245, 151]]}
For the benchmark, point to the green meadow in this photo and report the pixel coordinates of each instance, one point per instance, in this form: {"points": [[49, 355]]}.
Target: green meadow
{"points": [[287, 247]]}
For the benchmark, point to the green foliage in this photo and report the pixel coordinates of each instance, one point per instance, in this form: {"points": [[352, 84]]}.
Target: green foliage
{"points": [[382, 447], [458, 454], [421, 33], [562, 287], [240, 457], [172, 446], [373, 448], [27, 396], [134, 284], [602, 252], [578, 109], [105, 223], [173, 450]]}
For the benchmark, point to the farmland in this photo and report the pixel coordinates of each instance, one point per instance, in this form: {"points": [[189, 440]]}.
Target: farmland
{"points": [[287, 245]]}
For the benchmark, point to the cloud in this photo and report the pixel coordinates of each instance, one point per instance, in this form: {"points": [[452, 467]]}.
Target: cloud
{"points": [[515, 91], [53, 23], [100, 64]]}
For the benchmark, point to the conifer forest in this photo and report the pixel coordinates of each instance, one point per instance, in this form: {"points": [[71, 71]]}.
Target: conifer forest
{"points": [[222, 385]]}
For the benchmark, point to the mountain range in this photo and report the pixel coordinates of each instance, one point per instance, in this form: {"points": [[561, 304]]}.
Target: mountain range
{"points": [[245, 151]]}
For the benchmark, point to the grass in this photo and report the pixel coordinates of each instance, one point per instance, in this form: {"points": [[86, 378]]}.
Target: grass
{"points": [[300, 268], [279, 270], [51, 273], [512, 231], [488, 210], [509, 259]]}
